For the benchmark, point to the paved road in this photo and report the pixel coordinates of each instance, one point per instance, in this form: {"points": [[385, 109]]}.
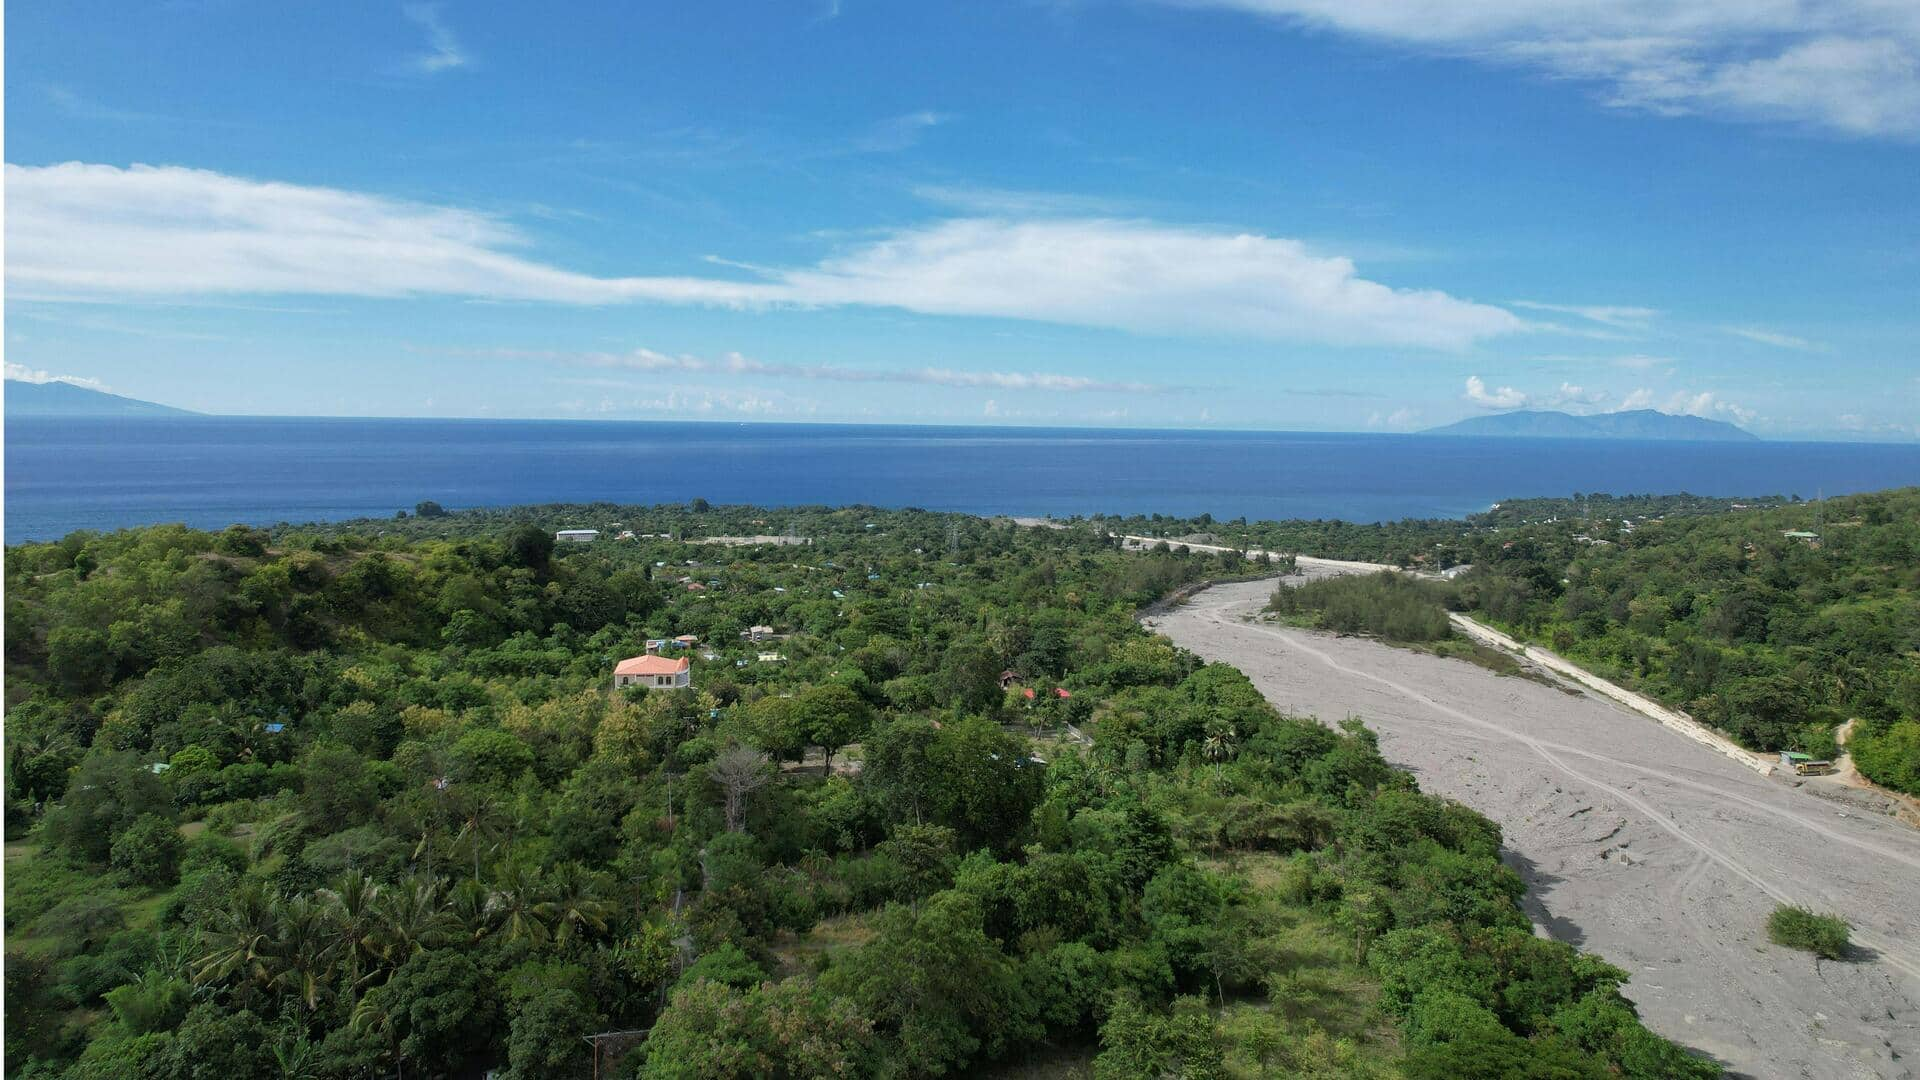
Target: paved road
{"points": [[1654, 851]]}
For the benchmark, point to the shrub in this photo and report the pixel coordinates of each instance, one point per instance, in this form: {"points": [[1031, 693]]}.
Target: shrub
{"points": [[1798, 928], [148, 852]]}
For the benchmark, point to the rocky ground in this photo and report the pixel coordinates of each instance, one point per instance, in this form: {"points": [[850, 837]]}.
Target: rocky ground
{"points": [[1654, 851]]}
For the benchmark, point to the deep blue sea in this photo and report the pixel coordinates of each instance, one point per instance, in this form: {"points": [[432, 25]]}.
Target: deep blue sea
{"points": [[209, 472]]}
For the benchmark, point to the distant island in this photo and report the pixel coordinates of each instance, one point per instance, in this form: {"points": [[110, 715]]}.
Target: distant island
{"points": [[1633, 424], [63, 399]]}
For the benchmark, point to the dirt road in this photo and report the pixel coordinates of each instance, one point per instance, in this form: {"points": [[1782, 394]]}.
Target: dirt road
{"points": [[1658, 853]]}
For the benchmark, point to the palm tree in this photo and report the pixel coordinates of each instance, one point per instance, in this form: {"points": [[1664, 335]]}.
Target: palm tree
{"points": [[353, 908], [297, 1058], [483, 827], [412, 917], [242, 942], [468, 903], [574, 904], [1222, 742], [516, 903], [307, 949]]}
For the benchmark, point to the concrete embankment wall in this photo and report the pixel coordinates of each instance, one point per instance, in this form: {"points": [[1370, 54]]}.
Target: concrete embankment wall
{"points": [[1640, 703]]}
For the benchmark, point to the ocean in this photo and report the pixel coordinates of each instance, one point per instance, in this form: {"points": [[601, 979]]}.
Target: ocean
{"points": [[67, 474]]}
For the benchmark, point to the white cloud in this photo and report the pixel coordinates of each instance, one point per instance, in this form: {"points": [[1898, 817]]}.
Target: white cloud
{"points": [[1860, 425], [733, 363], [23, 373], [1708, 404], [1626, 318], [443, 49], [1641, 398], [695, 401], [1504, 398], [1398, 420], [1583, 401], [1578, 397], [1770, 337], [1703, 403], [736, 364], [1567, 396], [1847, 66], [78, 231]]}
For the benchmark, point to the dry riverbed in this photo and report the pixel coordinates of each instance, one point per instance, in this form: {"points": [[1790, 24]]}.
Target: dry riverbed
{"points": [[1656, 852]]}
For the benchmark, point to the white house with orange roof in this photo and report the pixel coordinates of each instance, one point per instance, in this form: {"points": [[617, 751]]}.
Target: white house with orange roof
{"points": [[653, 673]]}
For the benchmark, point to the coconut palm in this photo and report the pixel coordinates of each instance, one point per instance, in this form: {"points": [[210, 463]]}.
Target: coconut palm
{"points": [[515, 904], [243, 941], [307, 949], [413, 916], [574, 904], [484, 828], [467, 902], [353, 905]]}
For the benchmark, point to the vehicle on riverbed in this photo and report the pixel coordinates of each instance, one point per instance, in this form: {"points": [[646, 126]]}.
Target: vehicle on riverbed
{"points": [[1804, 764]]}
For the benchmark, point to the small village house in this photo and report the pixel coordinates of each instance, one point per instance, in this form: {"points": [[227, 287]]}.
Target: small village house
{"points": [[653, 672]]}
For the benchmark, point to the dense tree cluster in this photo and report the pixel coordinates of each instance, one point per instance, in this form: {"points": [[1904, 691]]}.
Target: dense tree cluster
{"points": [[1776, 625], [1393, 606], [360, 800]]}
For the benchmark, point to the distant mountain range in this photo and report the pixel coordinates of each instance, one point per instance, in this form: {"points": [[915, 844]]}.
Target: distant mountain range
{"points": [[1632, 424], [28, 399]]}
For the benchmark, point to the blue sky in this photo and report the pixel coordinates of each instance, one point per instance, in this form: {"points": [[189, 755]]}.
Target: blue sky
{"points": [[1294, 214]]}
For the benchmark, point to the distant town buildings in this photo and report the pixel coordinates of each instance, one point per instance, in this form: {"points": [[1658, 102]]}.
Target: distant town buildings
{"points": [[653, 672], [577, 536]]}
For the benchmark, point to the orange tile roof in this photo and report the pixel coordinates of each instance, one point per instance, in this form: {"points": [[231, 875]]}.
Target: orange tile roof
{"points": [[650, 665]]}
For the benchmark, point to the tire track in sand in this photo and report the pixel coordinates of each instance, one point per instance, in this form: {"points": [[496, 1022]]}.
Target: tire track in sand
{"points": [[1551, 753]]}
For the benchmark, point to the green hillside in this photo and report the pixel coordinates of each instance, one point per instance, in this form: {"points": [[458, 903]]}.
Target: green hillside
{"points": [[360, 800]]}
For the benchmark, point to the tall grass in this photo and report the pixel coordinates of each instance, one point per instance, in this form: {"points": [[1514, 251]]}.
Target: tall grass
{"points": [[1388, 605]]}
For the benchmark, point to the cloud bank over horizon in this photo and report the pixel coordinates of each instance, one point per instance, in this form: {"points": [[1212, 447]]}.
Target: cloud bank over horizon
{"points": [[83, 231]]}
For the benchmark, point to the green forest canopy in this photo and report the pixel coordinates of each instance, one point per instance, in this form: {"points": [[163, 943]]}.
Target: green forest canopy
{"points": [[345, 800]]}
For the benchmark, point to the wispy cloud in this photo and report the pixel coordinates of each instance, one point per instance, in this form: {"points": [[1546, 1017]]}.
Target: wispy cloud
{"points": [[1771, 337], [75, 104], [23, 373], [1845, 66], [694, 401], [1398, 420], [733, 363], [899, 132], [79, 231], [444, 52], [1006, 202], [1626, 318], [1642, 362]]}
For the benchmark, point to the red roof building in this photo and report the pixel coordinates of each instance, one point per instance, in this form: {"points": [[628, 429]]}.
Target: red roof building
{"points": [[653, 672]]}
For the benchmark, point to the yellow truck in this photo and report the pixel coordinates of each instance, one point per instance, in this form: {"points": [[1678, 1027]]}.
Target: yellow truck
{"points": [[1804, 764]]}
